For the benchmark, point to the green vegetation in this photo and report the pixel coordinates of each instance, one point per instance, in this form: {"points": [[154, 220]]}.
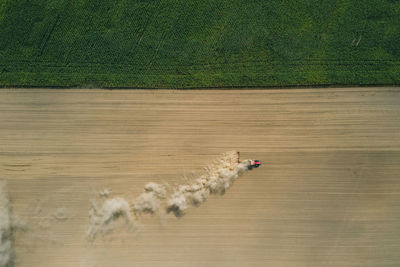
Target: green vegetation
{"points": [[208, 43]]}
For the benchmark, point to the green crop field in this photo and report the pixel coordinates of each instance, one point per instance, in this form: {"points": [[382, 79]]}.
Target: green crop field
{"points": [[208, 43]]}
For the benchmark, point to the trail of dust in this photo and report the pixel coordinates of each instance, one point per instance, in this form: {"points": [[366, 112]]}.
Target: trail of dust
{"points": [[6, 238], [149, 201], [216, 178], [105, 219]]}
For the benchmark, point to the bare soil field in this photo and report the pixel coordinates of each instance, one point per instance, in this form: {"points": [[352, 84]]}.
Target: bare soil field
{"points": [[327, 192]]}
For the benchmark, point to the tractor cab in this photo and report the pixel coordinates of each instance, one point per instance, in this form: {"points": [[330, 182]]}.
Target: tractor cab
{"points": [[254, 164]]}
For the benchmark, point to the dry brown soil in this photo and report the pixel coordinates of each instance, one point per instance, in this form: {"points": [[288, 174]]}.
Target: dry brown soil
{"points": [[327, 194]]}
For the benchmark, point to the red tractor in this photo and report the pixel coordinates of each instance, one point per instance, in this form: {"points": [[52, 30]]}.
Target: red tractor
{"points": [[254, 164]]}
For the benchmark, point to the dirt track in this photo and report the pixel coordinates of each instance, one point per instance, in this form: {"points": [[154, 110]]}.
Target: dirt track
{"points": [[327, 194]]}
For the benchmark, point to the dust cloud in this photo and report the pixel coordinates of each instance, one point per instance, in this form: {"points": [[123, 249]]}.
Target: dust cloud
{"points": [[103, 220], [6, 230], [216, 178], [149, 201]]}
